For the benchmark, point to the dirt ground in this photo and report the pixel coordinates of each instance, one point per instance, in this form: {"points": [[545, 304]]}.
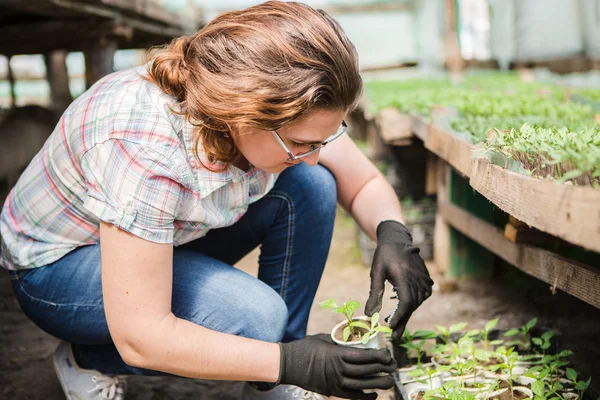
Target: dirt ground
{"points": [[26, 351]]}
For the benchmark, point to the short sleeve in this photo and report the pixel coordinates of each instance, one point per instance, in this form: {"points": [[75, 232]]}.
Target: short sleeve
{"points": [[133, 187]]}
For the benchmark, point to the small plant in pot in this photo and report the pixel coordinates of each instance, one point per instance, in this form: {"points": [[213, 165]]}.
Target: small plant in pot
{"points": [[360, 332]]}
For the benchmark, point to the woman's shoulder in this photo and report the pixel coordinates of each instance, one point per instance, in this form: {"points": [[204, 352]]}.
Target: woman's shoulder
{"points": [[125, 105]]}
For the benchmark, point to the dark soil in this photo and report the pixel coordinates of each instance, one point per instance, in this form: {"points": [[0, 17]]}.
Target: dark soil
{"points": [[355, 335]]}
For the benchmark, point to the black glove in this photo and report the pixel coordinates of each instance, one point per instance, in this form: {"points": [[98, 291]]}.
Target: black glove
{"points": [[317, 364], [399, 262]]}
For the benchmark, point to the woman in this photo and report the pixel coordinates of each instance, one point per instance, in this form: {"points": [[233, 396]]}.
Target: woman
{"points": [[121, 234]]}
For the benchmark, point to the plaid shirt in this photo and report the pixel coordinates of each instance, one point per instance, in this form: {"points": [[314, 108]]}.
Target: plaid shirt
{"points": [[120, 155]]}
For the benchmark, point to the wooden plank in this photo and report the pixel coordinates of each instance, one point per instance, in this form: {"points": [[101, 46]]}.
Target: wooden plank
{"points": [[99, 61], [441, 235], [518, 232], [446, 145], [569, 212], [431, 172], [393, 125], [419, 126], [579, 280], [58, 79]]}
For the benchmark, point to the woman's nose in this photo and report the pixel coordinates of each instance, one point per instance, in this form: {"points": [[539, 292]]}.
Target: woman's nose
{"points": [[313, 159]]}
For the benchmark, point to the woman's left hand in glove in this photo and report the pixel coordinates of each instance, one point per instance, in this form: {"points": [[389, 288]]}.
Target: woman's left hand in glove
{"points": [[398, 262]]}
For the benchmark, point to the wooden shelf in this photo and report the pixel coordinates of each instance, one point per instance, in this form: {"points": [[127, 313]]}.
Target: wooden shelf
{"points": [[577, 279], [420, 126], [75, 25], [451, 148], [569, 212]]}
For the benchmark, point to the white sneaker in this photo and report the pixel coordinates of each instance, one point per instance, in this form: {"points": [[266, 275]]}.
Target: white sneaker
{"points": [[281, 392], [85, 384]]}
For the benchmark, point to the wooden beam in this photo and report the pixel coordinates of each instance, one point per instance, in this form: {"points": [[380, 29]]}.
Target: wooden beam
{"points": [[579, 280], [569, 212], [58, 79], [441, 235], [453, 149], [393, 125], [99, 61], [420, 126]]}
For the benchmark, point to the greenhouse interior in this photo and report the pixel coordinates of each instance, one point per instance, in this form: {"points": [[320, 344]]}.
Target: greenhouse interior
{"points": [[452, 228]]}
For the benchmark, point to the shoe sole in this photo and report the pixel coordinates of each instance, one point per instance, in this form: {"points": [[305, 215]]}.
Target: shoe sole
{"points": [[60, 379]]}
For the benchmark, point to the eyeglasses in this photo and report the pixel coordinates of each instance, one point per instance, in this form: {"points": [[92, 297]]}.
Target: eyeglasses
{"points": [[313, 147]]}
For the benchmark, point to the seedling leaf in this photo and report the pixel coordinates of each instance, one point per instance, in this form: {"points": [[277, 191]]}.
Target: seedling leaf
{"points": [[329, 304], [365, 339], [538, 387], [571, 374], [443, 330], [374, 320], [472, 332], [416, 373], [537, 341], [491, 324], [531, 323], [548, 335], [583, 385], [458, 327], [346, 333], [511, 332], [360, 324]]}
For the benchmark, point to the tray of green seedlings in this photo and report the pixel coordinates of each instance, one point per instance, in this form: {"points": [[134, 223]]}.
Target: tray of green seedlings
{"points": [[488, 363], [562, 155], [483, 102]]}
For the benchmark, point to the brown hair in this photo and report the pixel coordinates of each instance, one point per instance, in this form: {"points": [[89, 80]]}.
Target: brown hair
{"points": [[262, 67]]}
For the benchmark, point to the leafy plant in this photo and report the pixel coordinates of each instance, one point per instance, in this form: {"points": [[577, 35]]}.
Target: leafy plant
{"points": [[445, 332], [348, 309], [580, 386], [543, 342], [418, 346], [523, 331]]}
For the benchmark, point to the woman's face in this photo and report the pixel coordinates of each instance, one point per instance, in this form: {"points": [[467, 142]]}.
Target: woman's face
{"points": [[261, 148]]}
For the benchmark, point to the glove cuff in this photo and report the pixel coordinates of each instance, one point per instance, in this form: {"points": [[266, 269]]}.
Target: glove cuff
{"points": [[281, 364], [390, 231]]}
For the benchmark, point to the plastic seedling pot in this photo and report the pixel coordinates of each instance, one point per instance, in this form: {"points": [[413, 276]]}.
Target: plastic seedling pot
{"points": [[337, 335]]}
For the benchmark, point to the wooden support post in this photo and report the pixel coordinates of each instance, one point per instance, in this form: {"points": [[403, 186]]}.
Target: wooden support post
{"points": [[58, 79], [454, 59], [441, 239], [11, 82], [99, 60], [467, 258]]}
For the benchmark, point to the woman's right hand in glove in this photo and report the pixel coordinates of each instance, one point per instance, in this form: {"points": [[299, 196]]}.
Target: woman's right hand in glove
{"points": [[317, 364]]}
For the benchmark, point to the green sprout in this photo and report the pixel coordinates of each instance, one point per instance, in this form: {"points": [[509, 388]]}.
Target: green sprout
{"points": [[418, 346], [348, 309], [445, 332], [523, 331], [580, 386], [543, 342]]}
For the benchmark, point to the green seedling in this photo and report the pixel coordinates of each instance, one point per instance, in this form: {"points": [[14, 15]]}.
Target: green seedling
{"points": [[348, 309], [523, 331], [418, 346], [486, 331], [445, 332], [371, 329], [543, 342], [581, 386]]}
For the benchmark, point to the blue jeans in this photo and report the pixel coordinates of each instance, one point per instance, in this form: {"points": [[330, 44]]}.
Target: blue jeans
{"points": [[293, 224]]}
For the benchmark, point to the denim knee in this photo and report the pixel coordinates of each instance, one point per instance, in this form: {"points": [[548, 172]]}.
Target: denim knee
{"points": [[317, 188], [265, 316]]}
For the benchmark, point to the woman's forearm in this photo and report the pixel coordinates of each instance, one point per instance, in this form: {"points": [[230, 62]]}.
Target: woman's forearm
{"points": [[183, 348], [375, 202]]}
